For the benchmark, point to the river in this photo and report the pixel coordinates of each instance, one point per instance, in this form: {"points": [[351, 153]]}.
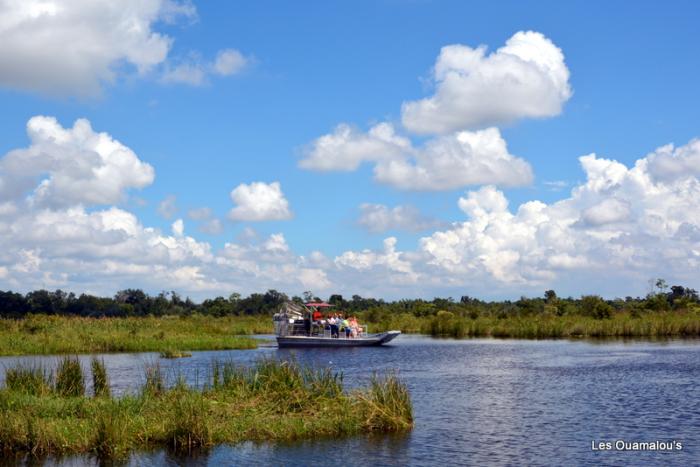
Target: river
{"points": [[478, 402]]}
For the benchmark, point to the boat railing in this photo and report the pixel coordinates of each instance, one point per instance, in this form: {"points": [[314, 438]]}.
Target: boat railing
{"points": [[325, 331]]}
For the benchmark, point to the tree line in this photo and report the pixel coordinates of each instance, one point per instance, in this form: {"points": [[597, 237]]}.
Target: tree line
{"points": [[136, 302]]}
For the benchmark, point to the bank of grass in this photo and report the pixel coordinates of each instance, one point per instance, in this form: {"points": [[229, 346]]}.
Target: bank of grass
{"points": [[42, 334], [618, 324], [270, 401]]}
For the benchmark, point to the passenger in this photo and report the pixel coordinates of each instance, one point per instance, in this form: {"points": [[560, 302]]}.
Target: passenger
{"points": [[346, 326], [317, 316], [355, 329], [333, 322]]}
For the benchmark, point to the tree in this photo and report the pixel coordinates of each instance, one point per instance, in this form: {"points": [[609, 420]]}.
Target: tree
{"points": [[308, 296], [550, 296], [12, 305], [661, 285], [336, 300], [596, 307]]}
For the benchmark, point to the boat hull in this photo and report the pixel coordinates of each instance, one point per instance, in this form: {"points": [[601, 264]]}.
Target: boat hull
{"points": [[310, 341]]}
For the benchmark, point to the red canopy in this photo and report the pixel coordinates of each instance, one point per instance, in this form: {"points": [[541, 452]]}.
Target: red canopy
{"points": [[318, 304]]}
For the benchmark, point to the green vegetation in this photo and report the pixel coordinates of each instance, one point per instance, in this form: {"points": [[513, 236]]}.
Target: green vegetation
{"points": [[70, 381], [270, 401], [100, 380], [41, 334], [660, 314], [170, 353], [133, 321], [620, 324], [33, 380]]}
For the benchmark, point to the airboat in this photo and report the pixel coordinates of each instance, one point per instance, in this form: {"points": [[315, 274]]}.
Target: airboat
{"points": [[295, 327]]}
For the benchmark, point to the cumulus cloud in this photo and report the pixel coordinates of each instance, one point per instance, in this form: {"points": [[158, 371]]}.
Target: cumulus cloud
{"points": [[619, 227], [393, 266], [195, 71], [67, 166], [347, 147], [71, 47], [442, 163], [621, 222], [453, 161], [377, 218], [608, 211], [670, 163], [525, 78], [259, 201]]}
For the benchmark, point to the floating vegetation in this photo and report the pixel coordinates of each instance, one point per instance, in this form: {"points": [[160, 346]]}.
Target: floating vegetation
{"points": [[170, 353]]}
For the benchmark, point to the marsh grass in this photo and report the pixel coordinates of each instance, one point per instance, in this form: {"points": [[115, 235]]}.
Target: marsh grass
{"points": [[269, 401], [155, 381], [70, 381], [42, 334], [389, 404], [170, 353], [684, 323], [100, 380], [34, 380]]}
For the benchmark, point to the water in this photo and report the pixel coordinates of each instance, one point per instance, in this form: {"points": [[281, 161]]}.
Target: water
{"points": [[480, 402]]}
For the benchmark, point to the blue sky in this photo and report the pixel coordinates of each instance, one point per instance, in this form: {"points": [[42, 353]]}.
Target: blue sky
{"points": [[632, 73]]}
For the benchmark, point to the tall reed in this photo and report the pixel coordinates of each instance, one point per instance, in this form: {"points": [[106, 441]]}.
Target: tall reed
{"points": [[100, 380], [34, 380], [70, 380], [155, 381]]}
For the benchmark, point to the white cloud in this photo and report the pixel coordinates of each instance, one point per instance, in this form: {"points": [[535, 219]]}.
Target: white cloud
{"points": [[259, 201], [442, 163], [670, 163], [168, 207], [229, 62], [67, 166], [346, 148], [394, 267], [608, 211], [614, 231], [178, 228], [378, 218], [525, 78], [194, 71], [72, 47], [453, 161], [621, 223], [188, 72]]}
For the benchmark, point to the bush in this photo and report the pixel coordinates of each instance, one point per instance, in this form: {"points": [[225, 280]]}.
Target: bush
{"points": [[595, 307]]}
